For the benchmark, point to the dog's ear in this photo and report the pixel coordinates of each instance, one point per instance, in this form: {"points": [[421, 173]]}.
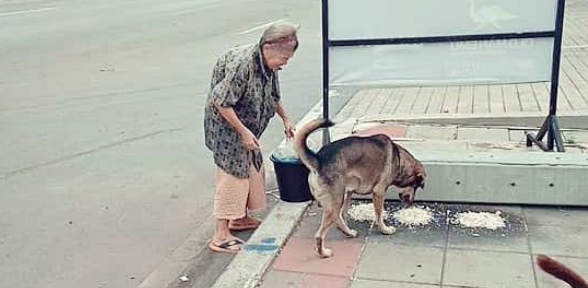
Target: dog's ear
{"points": [[419, 171]]}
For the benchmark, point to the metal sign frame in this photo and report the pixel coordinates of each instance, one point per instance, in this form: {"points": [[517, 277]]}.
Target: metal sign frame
{"points": [[550, 126]]}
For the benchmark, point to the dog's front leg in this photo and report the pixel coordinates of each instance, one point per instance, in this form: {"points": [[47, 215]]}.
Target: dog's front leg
{"points": [[379, 208]]}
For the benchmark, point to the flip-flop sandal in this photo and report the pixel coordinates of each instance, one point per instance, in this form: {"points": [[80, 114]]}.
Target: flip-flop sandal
{"points": [[244, 227], [225, 247]]}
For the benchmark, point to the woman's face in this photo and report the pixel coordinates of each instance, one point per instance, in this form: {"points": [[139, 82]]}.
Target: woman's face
{"points": [[275, 58]]}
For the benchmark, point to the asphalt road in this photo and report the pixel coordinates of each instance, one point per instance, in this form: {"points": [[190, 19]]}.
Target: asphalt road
{"points": [[103, 171]]}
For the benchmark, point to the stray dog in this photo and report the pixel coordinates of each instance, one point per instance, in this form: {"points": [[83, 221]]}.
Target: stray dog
{"points": [[561, 271], [356, 165]]}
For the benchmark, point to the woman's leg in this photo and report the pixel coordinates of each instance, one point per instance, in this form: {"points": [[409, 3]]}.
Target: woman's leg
{"points": [[256, 201], [230, 203]]}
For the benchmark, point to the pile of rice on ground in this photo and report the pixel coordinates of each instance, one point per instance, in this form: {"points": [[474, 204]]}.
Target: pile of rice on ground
{"points": [[485, 220], [421, 216], [414, 216], [363, 212]]}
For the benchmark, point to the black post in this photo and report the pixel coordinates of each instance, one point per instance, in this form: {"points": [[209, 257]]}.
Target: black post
{"points": [[551, 126], [554, 134], [559, 22], [325, 34]]}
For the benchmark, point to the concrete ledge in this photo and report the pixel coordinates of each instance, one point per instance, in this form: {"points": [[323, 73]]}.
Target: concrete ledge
{"points": [[537, 178], [505, 184], [533, 158]]}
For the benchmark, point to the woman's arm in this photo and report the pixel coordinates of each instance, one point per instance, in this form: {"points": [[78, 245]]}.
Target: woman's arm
{"points": [[249, 140], [289, 128]]}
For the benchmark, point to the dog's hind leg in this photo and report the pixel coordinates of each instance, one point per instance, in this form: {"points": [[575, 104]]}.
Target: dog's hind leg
{"points": [[347, 201], [341, 224], [379, 209]]}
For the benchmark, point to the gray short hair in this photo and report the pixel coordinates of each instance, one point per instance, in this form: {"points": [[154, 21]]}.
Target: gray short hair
{"points": [[282, 33]]}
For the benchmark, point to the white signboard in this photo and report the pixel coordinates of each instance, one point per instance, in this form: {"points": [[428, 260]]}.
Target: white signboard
{"points": [[469, 62]]}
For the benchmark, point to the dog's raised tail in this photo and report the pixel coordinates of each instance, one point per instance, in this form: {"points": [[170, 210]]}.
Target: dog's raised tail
{"points": [[307, 156], [561, 271]]}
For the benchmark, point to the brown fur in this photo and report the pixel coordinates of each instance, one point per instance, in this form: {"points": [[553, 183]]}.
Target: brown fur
{"points": [[360, 165], [561, 271]]}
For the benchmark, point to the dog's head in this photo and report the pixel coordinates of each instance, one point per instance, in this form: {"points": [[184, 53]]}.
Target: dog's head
{"points": [[409, 183]]}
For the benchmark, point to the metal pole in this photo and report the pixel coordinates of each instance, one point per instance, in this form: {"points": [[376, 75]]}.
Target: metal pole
{"points": [[557, 136], [559, 22], [325, 34]]}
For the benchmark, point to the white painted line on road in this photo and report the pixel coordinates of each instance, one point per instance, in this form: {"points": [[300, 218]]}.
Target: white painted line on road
{"points": [[27, 11], [261, 26], [199, 9]]}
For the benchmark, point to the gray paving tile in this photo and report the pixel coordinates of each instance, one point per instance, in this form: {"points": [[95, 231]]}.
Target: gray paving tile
{"points": [[311, 222], [482, 134], [434, 234], [545, 280], [495, 146], [417, 236], [432, 132], [511, 239], [511, 214], [576, 136], [519, 135], [488, 269], [385, 261], [275, 278], [282, 279], [360, 283], [559, 240], [557, 216], [437, 145], [577, 148]]}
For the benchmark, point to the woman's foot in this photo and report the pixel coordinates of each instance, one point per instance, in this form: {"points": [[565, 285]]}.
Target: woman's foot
{"points": [[245, 223], [232, 245]]}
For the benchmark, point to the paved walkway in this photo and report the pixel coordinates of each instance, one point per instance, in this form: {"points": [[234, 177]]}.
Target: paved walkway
{"points": [[441, 254], [445, 254]]}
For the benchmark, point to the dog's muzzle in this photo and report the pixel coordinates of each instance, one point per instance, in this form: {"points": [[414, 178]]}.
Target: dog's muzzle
{"points": [[406, 198]]}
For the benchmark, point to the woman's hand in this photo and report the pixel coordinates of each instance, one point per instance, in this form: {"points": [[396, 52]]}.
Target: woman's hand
{"points": [[289, 129], [249, 140]]}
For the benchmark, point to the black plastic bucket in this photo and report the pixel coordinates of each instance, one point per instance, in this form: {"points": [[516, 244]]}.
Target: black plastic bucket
{"points": [[292, 178]]}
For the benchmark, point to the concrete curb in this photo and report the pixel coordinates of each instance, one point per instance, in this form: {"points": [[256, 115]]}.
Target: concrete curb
{"points": [[248, 267]]}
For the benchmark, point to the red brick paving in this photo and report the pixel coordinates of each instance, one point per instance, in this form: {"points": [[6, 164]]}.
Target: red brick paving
{"points": [[299, 255], [394, 131]]}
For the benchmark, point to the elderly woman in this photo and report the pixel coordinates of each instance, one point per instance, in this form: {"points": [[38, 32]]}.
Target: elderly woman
{"points": [[244, 96]]}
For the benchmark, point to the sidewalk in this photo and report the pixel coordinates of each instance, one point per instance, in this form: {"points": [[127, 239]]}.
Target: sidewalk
{"points": [[441, 254], [472, 140]]}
